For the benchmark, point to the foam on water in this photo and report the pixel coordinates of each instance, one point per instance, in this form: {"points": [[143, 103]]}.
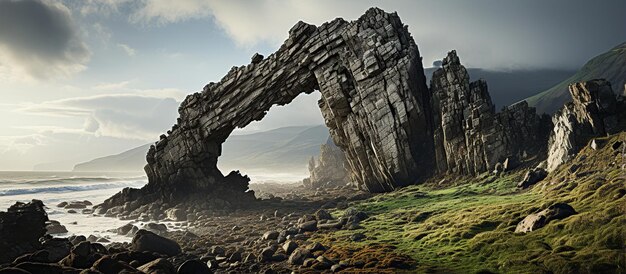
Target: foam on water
{"points": [[53, 188]]}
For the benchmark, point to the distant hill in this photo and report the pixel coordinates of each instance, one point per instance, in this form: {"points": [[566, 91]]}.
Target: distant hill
{"points": [[610, 65], [127, 161], [508, 87], [286, 149]]}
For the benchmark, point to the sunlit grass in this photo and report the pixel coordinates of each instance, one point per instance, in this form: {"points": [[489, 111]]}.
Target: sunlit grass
{"points": [[469, 227]]}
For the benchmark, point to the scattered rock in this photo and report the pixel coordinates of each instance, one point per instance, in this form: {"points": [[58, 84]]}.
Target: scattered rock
{"points": [[217, 250], [270, 235], [316, 247], [323, 215], [54, 227], [125, 229], [289, 247], [532, 177], [107, 265], [194, 267], [148, 241], [82, 255], [76, 205], [308, 226], [267, 254], [158, 266], [356, 237], [298, 256], [176, 214], [538, 220]]}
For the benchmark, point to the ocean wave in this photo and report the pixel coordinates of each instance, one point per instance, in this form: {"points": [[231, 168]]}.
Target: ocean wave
{"points": [[66, 180], [70, 188]]}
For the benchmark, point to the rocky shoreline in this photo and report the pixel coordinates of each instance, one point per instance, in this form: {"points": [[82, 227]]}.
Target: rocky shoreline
{"points": [[274, 236]]}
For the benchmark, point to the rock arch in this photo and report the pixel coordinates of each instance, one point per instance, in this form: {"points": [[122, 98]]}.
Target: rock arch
{"points": [[374, 101]]}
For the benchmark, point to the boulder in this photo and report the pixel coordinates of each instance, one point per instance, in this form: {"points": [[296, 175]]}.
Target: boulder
{"points": [[58, 248], [158, 266], [194, 267], [76, 205], [267, 254], [21, 226], [270, 235], [308, 226], [323, 215], [125, 229], [289, 247], [106, 265], [176, 214], [532, 177], [538, 220], [82, 255], [148, 241], [298, 256], [55, 228]]}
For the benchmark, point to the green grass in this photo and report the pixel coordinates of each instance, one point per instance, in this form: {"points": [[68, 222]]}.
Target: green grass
{"points": [[469, 226]]}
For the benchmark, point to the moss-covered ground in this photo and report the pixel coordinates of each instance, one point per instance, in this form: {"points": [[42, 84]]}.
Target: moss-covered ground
{"points": [[466, 225]]}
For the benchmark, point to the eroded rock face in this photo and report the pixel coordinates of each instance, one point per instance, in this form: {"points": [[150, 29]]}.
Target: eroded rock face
{"points": [[593, 112], [330, 169], [375, 103], [469, 136]]}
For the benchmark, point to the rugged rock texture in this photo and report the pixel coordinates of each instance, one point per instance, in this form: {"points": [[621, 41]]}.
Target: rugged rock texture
{"points": [[21, 226], [593, 112], [374, 100], [330, 169], [469, 136]]}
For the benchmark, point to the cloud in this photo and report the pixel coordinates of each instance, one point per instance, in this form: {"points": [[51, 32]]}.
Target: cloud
{"points": [[127, 49], [486, 34], [21, 143], [101, 7], [39, 39], [126, 116], [162, 11]]}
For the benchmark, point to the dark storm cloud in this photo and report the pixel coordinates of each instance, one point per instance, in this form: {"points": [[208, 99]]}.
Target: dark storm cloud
{"points": [[40, 38]]}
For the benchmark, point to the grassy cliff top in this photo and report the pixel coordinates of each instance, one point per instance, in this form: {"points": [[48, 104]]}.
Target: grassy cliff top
{"points": [[466, 225]]}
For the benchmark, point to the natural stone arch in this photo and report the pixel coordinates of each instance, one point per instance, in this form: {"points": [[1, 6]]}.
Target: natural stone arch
{"points": [[375, 103]]}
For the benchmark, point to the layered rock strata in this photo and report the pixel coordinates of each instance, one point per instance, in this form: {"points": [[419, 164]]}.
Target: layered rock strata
{"points": [[375, 103], [593, 112], [469, 136]]}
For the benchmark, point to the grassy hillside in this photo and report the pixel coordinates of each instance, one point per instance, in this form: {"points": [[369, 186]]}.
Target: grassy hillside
{"points": [[610, 65], [466, 225]]}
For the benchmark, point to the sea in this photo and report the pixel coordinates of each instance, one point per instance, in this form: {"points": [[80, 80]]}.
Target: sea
{"points": [[55, 187]]}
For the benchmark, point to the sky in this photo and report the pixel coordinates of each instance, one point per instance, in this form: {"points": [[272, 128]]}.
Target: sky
{"points": [[81, 79]]}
